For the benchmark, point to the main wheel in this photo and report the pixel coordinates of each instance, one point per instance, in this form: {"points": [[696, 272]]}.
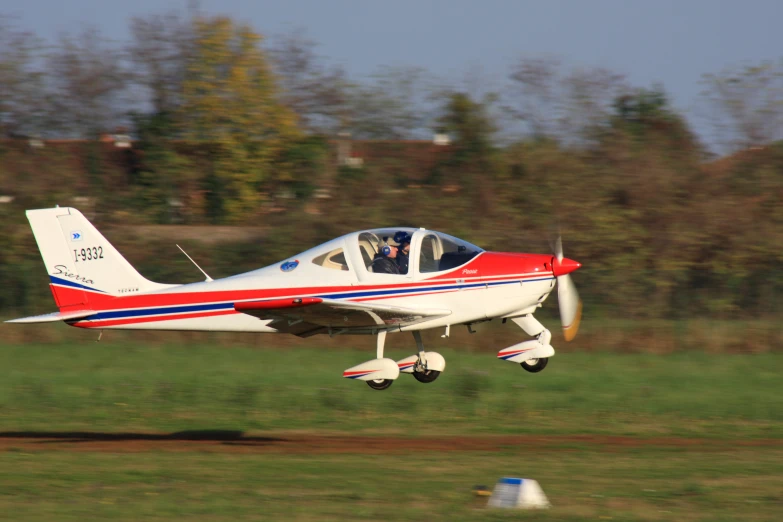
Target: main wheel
{"points": [[426, 376], [380, 384], [535, 365]]}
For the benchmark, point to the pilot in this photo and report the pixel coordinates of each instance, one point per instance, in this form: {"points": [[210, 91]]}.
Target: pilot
{"points": [[404, 240], [384, 261]]}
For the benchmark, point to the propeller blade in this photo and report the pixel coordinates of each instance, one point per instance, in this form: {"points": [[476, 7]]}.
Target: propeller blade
{"points": [[567, 296], [558, 248], [570, 306]]}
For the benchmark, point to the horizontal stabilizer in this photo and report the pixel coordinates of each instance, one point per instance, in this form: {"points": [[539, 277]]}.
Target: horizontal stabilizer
{"points": [[53, 317]]}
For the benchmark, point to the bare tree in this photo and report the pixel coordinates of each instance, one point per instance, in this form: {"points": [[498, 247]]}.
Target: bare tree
{"points": [[559, 103], [395, 104], [587, 101], [86, 83], [535, 82], [160, 49], [745, 104], [22, 107], [315, 92]]}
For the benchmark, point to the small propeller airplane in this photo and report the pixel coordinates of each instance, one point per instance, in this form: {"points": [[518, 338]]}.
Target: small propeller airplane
{"points": [[330, 289]]}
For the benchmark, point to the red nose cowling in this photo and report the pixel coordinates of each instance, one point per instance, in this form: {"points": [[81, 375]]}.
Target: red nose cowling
{"points": [[566, 266]]}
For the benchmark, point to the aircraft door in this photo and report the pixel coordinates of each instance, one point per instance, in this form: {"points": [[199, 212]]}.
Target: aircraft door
{"points": [[446, 264], [427, 253], [442, 257]]}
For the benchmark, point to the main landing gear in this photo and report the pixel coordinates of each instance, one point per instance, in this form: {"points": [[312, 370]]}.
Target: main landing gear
{"points": [[533, 355], [426, 376], [425, 366], [534, 365], [381, 372], [380, 384]]}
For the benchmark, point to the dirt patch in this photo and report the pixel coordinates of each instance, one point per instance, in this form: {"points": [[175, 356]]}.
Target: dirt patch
{"points": [[239, 442]]}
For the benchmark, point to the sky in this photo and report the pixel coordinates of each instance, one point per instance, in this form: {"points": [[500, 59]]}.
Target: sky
{"points": [[671, 42]]}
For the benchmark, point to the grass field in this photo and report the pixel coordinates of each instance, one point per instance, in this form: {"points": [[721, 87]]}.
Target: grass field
{"points": [[686, 436]]}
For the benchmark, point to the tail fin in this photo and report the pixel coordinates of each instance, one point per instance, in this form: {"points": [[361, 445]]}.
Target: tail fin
{"points": [[83, 266]]}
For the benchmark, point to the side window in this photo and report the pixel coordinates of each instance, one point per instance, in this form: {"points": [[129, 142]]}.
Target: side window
{"points": [[334, 260], [428, 258]]}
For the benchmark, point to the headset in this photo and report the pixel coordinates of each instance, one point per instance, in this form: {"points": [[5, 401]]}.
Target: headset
{"points": [[386, 250], [402, 237]]}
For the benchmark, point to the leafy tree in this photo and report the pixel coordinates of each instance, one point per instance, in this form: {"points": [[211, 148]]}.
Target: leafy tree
{"points": [[164, 178], [302, 163], [647, 116], [471, 127], [230, 104]]}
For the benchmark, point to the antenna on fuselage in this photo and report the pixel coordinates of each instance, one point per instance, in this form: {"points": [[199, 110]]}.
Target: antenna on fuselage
{"points": [[191, 260]]}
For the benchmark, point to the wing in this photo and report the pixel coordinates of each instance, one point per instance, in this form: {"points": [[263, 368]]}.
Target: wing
{"points": [[307, 316]]}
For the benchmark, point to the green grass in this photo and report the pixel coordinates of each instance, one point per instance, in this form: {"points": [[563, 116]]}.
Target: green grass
{"points": [[742, 485], [106, 387]]}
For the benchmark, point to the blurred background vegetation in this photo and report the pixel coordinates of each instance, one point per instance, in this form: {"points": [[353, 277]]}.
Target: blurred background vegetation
{"points": [[246, 151]]}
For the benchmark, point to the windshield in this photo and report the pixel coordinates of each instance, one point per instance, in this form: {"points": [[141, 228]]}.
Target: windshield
{"points": [[443, 252]]}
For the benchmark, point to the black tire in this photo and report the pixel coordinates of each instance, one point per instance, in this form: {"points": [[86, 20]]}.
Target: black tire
{"points": [[426, 376], [380, 384], [536, 367]]}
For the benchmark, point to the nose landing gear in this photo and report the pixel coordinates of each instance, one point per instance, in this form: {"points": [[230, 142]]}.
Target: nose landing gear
{"points": [[534, 355]]}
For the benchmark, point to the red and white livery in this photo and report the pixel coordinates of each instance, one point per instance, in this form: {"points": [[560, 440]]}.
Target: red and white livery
{"points": [[330, 289]]}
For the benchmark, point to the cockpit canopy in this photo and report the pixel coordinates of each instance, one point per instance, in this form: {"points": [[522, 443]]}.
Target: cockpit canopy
{"points": [[430, 251], [353, 255]]}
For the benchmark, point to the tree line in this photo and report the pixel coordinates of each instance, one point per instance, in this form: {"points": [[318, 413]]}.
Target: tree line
{"points": [[230, 128]]}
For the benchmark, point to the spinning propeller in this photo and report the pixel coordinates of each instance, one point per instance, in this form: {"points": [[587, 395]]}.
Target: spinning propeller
{"points": [[567, 296]]}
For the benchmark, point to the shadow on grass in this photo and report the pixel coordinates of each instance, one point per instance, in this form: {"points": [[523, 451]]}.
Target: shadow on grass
{"points": [[227, 436]]}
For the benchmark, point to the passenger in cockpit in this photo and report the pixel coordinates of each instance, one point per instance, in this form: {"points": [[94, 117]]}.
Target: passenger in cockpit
{"points": [[384, 261], [404, 240]]}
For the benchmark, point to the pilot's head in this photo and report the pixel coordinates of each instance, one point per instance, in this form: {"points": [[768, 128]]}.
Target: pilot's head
{"points": [[389, 248]]}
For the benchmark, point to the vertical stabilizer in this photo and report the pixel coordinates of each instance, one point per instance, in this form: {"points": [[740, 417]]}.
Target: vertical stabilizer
{"points": [[81, 263]]}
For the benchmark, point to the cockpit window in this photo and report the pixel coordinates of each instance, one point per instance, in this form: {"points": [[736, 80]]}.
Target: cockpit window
{"points": [[334, 260], [443, 252]]}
